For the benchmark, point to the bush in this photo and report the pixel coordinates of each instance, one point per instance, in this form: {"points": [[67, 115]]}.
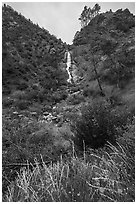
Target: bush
{"points": [[18, 95], [99, 123], [108, 46], [58, 96], [22, 86], [122, 26], [100, 18], [125, 25], [75, 99], [92, 90], [119, 68], [7, 102], [98, 176], [102, 175], [22, 104]]}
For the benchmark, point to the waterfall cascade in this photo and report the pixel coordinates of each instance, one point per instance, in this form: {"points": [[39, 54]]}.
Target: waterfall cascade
{"points": [[68, 67]]}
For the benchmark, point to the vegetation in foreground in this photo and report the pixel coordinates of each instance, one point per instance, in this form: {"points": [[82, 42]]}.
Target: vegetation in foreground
{"points": [[97, 176], [103, 174], [87, 152]]}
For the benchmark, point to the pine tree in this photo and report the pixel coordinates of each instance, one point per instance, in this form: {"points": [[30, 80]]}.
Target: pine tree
{"points": [[88, 14], [84, 17], [97, 9]]}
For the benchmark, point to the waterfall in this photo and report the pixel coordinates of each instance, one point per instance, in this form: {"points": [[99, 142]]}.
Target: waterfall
{"points": [[68, 66]]}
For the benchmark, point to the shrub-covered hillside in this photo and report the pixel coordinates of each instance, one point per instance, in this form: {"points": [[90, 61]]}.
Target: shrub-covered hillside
{"points": [[65, 142], [113, 24], [30, 54], [105, 52]]}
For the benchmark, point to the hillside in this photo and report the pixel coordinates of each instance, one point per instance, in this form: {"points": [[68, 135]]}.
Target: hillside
{"points": [[30, 54], [68, 142], [107, 43]]}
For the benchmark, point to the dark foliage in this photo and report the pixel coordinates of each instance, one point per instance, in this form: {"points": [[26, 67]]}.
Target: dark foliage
{"points": [[88, 14], [99, 123], [121, 20], [124, 20], [107, 46], [39, 108], [28, 52]]}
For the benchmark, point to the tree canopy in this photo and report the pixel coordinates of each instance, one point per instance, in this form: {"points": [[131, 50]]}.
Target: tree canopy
{"points": [[88, 14]]}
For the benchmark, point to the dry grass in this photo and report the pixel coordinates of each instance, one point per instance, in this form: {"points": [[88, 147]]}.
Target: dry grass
{"points": [[98, 176]]}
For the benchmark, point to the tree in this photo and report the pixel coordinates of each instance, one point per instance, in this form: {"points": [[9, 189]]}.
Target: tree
{"points": [[97, 76], [120, 63], [88, 14], [95, 63], [85, 17], [96, 9]]}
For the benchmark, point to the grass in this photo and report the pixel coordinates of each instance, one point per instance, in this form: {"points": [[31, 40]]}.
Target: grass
{"points": [[24, 138], [92, 175], [102, 175], [55, 173]]}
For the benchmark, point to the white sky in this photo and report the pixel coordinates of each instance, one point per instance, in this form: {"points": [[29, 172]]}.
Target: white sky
{"points": [[61, 18]]}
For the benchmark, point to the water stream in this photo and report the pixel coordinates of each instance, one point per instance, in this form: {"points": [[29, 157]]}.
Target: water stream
{"points": [[68, 67]]}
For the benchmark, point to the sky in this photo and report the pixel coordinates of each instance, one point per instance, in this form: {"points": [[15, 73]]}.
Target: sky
{"points": [[61, 18]]}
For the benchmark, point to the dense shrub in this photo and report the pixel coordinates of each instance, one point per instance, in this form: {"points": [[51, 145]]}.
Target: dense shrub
{"points": [[98, 125], [119, 67], [24, 139], [125, 25], [14, 138], [122, 26], [22, 104], [108, 46], [59, 95], [18, 95], [75, 99], [91, 90], [7, 102], [103, 175], [22, 86], [25, 48], [100, 18]]}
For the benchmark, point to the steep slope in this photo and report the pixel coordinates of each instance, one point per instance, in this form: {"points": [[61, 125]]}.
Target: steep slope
{"points": [[45, 119], [107, 45], [30, 54]]}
